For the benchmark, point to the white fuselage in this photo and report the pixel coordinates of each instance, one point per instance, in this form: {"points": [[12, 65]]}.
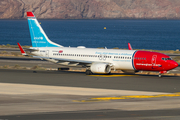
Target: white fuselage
{"points": [[120, 59]]}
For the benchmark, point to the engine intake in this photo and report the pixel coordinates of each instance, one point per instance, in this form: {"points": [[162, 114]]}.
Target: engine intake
{"points": [[100, 68]]}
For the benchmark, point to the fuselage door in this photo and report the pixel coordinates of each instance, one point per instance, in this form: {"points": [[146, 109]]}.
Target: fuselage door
{"points": [[47, 53]]}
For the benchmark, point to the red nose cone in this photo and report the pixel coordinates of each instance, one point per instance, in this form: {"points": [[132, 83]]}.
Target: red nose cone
{"points": [[174, 64]]}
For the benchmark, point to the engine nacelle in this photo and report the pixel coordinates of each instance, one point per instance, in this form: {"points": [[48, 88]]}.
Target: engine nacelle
{"points": [[100, 68]]}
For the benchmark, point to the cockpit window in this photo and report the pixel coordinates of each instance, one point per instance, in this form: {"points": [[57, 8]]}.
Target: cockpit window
{"points": [[166, 58]]}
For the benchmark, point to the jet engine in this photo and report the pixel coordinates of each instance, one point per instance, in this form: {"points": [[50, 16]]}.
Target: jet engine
{"points": [[100, 68]]}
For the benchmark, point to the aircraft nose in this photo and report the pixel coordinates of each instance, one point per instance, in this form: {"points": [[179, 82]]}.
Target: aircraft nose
{"points": [[173, 64]]}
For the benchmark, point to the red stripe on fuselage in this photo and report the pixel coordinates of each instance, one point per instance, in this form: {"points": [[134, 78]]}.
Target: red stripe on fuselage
{"points": [[152, 61]]}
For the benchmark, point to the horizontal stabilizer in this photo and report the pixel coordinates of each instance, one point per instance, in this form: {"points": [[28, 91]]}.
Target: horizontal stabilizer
{"points": [[31, 50]]}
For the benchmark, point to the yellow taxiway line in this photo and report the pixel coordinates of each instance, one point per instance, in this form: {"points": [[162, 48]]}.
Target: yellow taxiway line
{"points": [[128, 97], [111, 75]]}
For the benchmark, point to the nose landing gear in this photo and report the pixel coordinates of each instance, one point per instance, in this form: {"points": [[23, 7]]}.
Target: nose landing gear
{"points": [[160, 75], [161, 72]]}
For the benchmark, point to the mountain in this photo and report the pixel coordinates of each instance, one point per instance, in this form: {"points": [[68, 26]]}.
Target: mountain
{"points": [[91, 9]]}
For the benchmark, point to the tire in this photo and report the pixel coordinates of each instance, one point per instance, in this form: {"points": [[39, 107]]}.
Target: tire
{"points": [[109, 73], [88, 72], [160, 75]]}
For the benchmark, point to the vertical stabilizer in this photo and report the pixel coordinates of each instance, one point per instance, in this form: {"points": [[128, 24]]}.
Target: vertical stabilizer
{"points": [[38, 36]]}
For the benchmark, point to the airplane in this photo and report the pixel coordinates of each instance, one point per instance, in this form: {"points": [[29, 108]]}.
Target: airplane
{"points": [[95, 60]]}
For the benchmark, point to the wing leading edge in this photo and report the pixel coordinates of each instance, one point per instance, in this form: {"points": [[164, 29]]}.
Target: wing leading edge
{"points": [[71, 61]]}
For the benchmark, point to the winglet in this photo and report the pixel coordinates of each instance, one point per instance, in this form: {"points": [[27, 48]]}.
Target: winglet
{"points": [[21, 49], [30, 14], [129, 46]]}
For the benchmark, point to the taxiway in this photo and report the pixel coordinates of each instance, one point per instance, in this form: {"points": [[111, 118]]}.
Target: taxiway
{"points": [[28, 94]]}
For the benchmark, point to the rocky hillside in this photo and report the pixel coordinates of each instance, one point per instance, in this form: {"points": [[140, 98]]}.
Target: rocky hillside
{"points": [[90, 9]]}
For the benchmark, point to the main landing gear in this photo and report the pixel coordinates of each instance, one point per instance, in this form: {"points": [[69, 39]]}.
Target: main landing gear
{"points": [[88, 72]]}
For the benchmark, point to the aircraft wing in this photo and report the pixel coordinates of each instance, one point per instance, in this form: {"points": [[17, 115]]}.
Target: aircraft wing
{"points": [[31, 50], [71, 61]]}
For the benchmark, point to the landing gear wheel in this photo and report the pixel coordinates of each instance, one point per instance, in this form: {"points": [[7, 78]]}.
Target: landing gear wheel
{"points": [[88, 72], [160, 75], [109, 73]]}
